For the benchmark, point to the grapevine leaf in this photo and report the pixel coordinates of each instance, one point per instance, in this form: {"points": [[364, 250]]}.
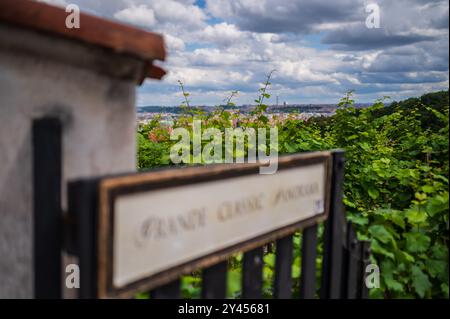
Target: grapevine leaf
{"points": [[417, 242], [420, 281]]}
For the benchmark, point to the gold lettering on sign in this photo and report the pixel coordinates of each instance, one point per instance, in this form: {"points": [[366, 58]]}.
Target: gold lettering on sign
{"points": [[230, 209], [289, 194], [156, 228]]}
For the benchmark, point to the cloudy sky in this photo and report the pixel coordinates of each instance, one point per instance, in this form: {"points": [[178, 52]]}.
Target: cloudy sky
{"points": [[319, 48]]}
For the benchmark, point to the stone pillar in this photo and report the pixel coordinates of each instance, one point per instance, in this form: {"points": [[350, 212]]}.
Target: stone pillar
{"points": [[92, 91]]}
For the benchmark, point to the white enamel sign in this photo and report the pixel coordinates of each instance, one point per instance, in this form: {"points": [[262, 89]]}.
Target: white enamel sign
{"points": [[157, 229]]}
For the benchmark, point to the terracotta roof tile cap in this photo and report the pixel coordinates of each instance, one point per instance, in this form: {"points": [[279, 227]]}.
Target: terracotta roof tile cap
{"points": [[120, 38]]}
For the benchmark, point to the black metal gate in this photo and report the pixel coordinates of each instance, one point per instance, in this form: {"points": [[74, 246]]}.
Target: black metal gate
{"points": [[344, 258]]}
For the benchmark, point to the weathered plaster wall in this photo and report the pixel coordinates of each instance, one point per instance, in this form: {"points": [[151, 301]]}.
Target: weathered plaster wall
{"points": [[98, 115]]}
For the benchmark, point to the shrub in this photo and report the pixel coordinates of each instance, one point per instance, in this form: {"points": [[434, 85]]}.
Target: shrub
{"points": [[396, 182]]}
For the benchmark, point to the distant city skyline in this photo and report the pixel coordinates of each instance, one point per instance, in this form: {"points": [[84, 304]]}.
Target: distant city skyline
{"points": [[249, 105], [319, 48]]}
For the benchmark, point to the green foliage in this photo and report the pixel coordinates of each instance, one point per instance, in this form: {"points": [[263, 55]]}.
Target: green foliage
{"points": [[396, 183], [396, 190], [151, 153]]}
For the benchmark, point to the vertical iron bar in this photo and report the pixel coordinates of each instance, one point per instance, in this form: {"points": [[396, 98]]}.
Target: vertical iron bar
{"points": [[283, 268], [214, 281], [47, 239], [252, 274], [308, 269], [168, 291], [352, 269], [82, 198], [334, 233], [345, 265], [365, 261]]}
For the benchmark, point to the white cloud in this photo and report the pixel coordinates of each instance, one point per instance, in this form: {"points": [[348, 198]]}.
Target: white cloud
{"points": [[162, 14], [222, 33], [174, 43], [181, 14], [300, 39], [55, 2], [139, 15], [208, 78]]}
